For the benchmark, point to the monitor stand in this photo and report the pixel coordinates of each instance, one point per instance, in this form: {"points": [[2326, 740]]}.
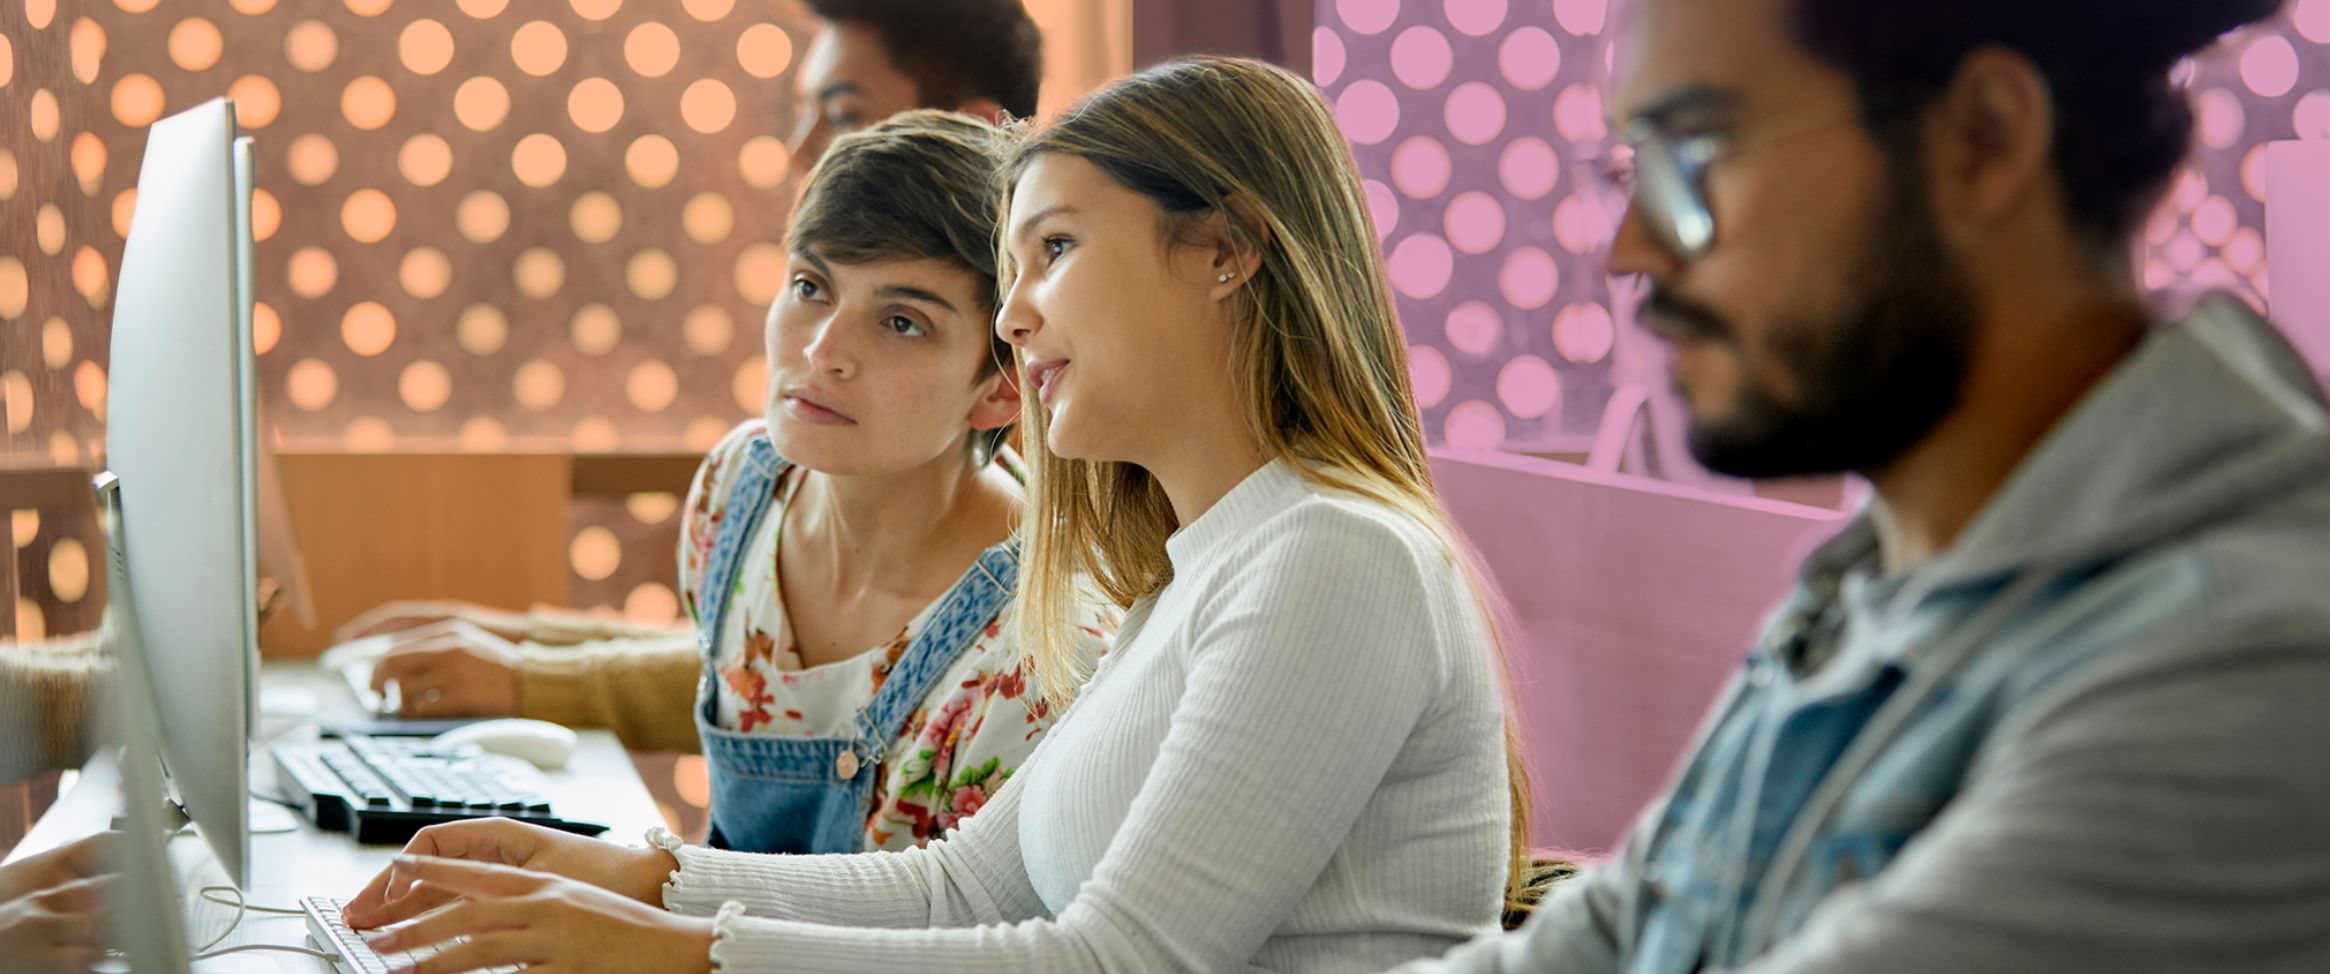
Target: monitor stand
{"points": [[147, 927]]}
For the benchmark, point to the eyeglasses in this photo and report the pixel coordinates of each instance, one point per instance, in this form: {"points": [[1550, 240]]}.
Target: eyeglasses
{"points": [[1664, 175]]}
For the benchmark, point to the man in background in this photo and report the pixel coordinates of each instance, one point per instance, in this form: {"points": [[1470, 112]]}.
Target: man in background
{"points": [[872, 59], [2055, 701]]}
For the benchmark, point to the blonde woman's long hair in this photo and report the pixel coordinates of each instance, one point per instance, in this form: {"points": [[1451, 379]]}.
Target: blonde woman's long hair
{"points": [[1317, 355]]}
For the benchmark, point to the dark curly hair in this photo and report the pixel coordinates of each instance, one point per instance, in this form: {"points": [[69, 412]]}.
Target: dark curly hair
{"points": [[2121, 128], [955, 50]]}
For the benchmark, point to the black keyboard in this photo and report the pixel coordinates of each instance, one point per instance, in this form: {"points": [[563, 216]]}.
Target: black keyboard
{"points": [[384, 789]]}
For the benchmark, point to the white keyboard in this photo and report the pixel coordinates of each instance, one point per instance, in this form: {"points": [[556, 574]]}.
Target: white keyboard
{"points": [[351, 956]]}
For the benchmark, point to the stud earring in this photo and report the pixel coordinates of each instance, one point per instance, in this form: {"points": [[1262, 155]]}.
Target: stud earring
{"points": [[1225, 278]]}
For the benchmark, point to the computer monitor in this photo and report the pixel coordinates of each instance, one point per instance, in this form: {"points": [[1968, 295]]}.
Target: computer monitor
{"points": [[181, 443], [145, 916]]}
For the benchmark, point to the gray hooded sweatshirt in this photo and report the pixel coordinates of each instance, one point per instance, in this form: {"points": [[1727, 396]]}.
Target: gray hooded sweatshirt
{"points": [[2093, 735]]}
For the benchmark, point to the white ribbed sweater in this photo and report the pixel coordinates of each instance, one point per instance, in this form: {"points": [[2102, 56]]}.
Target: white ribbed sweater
{"points": [[1292, 761]]}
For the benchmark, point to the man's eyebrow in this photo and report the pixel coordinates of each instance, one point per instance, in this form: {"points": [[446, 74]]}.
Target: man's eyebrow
{"points": [[1688, 100], [838, 89]]}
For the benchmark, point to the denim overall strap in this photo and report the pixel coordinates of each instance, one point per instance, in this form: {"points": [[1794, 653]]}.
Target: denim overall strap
{"points": [[962, 615], [755, 490], [812, 794]]}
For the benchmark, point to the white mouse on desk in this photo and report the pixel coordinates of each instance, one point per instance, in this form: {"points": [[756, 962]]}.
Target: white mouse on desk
{"points": [[538, 742]]}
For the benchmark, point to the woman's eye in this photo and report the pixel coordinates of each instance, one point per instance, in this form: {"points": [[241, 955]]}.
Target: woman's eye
{"points": [[903, 325], [1054, 247], [804, 289]]}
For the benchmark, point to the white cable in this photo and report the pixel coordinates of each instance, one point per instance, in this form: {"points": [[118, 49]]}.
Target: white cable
{"points": [[242, 908], [251, 907], [285, 948], [239, 906]]}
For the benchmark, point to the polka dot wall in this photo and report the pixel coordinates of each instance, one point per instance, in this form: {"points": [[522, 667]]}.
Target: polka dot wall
{"points": [[483, 225], [2267, 84], [1473, 121]]}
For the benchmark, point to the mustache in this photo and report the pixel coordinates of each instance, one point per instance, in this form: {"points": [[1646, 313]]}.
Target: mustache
{"points": [[1676, 316]]}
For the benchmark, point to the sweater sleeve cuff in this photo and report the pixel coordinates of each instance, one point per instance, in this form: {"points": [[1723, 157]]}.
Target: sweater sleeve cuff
{"points": [[705, 880], [553, 685], [732, 949]]}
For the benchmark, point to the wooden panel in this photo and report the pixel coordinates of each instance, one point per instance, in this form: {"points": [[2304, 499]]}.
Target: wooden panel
{"points": [[8, 548], [617, 474], [22, 803], [67, 511], [43, 486], [377, 527]]}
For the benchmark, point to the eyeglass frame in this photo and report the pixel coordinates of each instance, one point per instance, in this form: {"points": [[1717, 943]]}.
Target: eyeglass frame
{"points": [[1676, 208]]}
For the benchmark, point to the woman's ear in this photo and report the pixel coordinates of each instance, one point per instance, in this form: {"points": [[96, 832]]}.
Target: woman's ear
{"points": [[1237, 236], [999, 400]]}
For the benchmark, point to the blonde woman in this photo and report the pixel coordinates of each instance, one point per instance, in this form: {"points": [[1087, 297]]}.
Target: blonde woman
{"points": [[1291, 760]]}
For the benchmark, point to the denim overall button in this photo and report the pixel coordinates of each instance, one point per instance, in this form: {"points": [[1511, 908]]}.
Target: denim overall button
{"points": [[845, 767]]}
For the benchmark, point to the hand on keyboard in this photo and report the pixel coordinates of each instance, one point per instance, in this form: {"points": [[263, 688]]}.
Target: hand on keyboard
{"points": [[630, 873], [390, 617], [330, 933], [515, 916], [453, 668]]}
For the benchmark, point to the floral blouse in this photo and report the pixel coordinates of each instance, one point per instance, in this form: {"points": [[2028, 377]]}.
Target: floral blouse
{"points": [[975, 727]]}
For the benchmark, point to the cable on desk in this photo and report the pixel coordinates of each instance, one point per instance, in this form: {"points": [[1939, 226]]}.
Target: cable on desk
{"points": [[240, 905], [241, 908], [285, 948]]}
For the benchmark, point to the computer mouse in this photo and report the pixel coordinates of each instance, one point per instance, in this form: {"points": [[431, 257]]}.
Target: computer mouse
{"points": [[537, 742]]}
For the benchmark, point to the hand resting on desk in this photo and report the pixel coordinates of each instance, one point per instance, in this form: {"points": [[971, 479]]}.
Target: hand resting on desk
{"points": [[50, 919]]}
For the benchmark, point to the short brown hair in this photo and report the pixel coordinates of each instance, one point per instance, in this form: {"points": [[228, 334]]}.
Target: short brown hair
{"points": [[956, 51], [917, 186]]}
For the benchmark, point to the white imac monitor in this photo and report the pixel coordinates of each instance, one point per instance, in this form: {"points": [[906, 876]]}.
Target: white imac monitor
{"points": [[145, 919], [181, 443]]}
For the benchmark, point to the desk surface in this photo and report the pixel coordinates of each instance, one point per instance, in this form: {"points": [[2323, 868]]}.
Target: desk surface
{"points": [[599, 783]]}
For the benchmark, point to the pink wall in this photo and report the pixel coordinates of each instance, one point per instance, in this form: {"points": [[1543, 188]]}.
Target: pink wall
{"points": [[1470, 119], [2297, 180]]}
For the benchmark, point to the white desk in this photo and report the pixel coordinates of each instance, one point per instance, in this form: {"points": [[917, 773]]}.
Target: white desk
{"points": [[599, 784]]}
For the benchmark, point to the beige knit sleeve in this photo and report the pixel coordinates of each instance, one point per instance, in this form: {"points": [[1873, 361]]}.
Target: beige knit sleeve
{"points": [[48, 694], [643, 689]]}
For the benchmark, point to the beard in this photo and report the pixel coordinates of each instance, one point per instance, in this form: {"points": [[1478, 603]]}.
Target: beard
{"points": [[1871, 382]]}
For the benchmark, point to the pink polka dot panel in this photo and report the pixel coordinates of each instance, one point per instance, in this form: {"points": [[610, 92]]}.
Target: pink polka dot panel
{"points": [[1474, 121], [1420, 167], [2260, 85], [1451, 109], [1421, 58]]}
